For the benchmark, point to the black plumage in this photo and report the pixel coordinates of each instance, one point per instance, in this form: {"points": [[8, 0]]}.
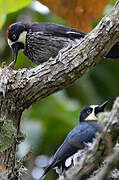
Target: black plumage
{"points": [[83, 133], [78, 137], [114, 52], [44, 41], [41, 41]]}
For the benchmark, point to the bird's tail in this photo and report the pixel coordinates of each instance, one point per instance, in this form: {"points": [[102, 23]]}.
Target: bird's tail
{"points": [[46, 170]]}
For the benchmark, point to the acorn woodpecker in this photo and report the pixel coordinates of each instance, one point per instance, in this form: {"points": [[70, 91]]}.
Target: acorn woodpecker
{"points": [[41, 41], [78, 137]]}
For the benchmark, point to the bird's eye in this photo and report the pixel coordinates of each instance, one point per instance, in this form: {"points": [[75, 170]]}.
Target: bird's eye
{"points": [[14, 36], [88, 111]]}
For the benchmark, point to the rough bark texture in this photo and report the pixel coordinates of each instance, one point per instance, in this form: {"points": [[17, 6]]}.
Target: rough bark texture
{"points": [[19, 89]]}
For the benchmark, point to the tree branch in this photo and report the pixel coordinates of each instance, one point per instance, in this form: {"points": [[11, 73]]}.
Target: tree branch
{"points": [[52, 76], [19, 89], [111, 163]]}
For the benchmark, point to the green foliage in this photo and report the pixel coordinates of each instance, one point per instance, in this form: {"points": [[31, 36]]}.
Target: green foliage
{"points": [[10, 6], [112, 2]]}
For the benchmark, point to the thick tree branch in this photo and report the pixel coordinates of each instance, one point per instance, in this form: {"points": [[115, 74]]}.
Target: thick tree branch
{"points": [[53, 76], [111, 163], [19, 89]]}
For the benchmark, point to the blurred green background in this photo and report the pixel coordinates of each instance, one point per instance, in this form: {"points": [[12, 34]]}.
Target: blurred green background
{"points": [[47, 122]]}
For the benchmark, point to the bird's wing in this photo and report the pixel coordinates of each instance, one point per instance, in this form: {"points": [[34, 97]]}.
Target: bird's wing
{"points": [[63, 152], [75, 140], [57, 30], [64, 31], [81, 134]]}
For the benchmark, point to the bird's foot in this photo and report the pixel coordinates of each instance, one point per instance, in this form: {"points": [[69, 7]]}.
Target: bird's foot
{"points": [[61, 52]]}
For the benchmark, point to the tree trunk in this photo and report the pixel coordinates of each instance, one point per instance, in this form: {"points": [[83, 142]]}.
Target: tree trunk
{"points": [[19, 89]]}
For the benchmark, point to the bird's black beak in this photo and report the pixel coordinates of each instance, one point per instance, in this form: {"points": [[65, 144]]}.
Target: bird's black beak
{"points": [[15, 48], [101, 107]]}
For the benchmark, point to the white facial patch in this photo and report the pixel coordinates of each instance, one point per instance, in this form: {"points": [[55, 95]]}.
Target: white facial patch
{"points": [[92, 115], [22, 39], [94, 106]]}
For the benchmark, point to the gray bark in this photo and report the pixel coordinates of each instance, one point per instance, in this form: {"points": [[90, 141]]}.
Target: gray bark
{"points": [[19, 89]]}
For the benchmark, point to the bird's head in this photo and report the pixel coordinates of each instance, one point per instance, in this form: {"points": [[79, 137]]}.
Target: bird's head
{"points": [[91, 112], [16, 37]]}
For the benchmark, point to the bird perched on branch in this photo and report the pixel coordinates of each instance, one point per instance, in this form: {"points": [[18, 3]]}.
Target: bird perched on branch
{"points": [[79, 136], [41, 41]]}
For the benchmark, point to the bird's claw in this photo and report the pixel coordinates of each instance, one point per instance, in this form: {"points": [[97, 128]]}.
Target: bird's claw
{"points": [[62, 51]]}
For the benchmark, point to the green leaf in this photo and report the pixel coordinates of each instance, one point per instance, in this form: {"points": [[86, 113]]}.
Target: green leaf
{"points": [[112, 2], [9, 7]]}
